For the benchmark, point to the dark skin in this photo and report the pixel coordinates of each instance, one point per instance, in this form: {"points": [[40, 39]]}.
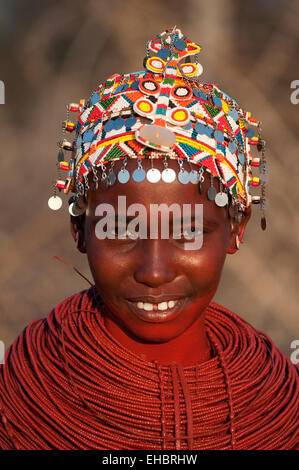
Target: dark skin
{"points": [[129, 268]]}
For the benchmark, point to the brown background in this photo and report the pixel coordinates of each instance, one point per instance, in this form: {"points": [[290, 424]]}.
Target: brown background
{"points": [[56, 52]]}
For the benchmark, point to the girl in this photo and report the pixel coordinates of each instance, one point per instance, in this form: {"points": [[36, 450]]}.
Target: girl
{"points": [[144, 359]]}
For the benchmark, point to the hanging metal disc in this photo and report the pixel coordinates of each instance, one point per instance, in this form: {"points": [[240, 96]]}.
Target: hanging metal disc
{"points": [[184, 177], [55, 202], [123, 176], [153, 175], [104, 183], [75, 211], [111, 178], [212, 193], [138, 175], [221, 199], [194, 177], [168, 175]]}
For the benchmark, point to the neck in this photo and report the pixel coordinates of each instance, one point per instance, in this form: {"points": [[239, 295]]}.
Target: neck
{"points": [[187, 349]]}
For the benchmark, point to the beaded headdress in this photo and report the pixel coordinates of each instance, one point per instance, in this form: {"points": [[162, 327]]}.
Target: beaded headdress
{"points": [[165, 112]]}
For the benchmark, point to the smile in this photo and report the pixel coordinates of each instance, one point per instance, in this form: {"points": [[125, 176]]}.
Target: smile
{"points": [[157, 312]]}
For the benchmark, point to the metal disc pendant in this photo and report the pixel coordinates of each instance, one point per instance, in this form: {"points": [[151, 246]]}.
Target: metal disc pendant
{"points": [[241, 158], [194, 177], [138, 175], [232, 147], [221, 199], [75, 210], [153, 175], [111, 178], [104, 183], [212, 193], [60, 156], [123, 176], [168, 175], [183, 177], [55, 202]]}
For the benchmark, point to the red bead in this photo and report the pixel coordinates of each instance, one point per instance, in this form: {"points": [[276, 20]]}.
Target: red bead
{"points": [[60, 184], [256, 162], [74, 107]]}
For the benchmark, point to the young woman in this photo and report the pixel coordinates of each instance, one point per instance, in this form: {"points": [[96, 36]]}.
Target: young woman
{"points": [[144, 359]]}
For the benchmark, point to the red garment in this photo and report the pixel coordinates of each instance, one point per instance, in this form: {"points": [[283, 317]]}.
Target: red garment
{"points": [[68, 384]]}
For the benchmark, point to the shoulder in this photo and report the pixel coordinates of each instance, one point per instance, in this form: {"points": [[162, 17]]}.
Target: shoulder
{"points": [[261, 381], [27, 359]]}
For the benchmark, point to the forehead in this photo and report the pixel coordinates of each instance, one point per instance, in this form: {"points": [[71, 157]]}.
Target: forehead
{"points": [[147, 193]]}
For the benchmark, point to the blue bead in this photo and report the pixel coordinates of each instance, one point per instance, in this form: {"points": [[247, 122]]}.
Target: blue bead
{"points": [[179, 44], [108, 126], [219, 136], [200, 128], [217, 101], [209, 132], [95, 98], [232, 147], [134, 85], [79, 141], [118, 89], [131, 121], [241, 158], [163, 53], [250, 133], [203, 96], [188, 126], [88, 135], [119, 123], [233, 114]]}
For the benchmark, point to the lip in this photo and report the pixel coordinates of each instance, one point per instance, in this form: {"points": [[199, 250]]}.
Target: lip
{"points": [[156, 316]]}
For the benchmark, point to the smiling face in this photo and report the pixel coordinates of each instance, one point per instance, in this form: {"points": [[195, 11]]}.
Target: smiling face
{"points": [[126, 271]]}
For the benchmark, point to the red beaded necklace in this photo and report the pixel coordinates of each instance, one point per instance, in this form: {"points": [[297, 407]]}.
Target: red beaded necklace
{"points": [[68, 384]]}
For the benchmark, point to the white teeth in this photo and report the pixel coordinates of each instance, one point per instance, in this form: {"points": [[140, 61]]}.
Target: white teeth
{"points": [[161, 306], [148, 307]]}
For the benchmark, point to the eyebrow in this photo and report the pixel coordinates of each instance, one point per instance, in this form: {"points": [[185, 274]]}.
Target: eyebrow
{"points": [[210, 222]]}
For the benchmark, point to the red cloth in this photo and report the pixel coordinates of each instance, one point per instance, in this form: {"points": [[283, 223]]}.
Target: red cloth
{"points": [[68, 384]]}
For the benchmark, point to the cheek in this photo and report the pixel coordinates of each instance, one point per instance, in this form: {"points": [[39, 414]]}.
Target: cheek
{"points": [[204, 267]]}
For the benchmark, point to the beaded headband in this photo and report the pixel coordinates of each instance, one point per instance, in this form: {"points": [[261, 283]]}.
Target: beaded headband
{"points": [[164, 111]]}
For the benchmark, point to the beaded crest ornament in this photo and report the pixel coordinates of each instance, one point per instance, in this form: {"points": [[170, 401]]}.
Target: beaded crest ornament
{"points": [[164, 111]]}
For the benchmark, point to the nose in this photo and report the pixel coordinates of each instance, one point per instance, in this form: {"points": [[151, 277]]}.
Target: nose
{"points": [[157, 265]]}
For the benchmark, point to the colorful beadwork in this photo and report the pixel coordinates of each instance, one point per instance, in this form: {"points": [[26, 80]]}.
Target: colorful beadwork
{"points": [[186, 119]]}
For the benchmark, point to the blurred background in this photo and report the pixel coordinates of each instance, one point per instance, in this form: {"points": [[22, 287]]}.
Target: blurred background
{"points": [[56, 52]]}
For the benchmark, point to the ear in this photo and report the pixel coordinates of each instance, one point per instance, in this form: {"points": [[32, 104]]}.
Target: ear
{"points": [[78, 233], [238, 229]]}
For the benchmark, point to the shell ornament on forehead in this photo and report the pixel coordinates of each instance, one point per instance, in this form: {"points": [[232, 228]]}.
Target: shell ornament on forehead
{"points": [[165, 111]]}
